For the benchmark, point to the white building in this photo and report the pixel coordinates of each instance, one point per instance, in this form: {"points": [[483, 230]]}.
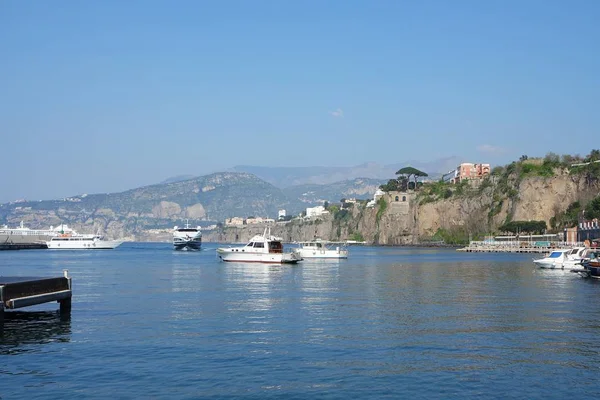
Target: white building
{"points": [[281, 214], [315, 211], [378, 194], [259, 220]]}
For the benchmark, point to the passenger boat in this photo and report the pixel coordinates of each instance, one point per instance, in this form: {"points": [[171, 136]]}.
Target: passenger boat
{"points": [[186, 238], [319, 248], [68, 239], [263, 248]]}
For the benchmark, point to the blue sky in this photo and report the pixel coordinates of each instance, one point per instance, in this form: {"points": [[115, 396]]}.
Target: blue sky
{"points": [[109, 95]]}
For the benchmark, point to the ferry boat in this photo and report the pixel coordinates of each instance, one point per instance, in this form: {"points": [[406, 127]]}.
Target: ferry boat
{"points": [[318, 248], [68, 239], [263, 248], [22, 230], [186, 238]]}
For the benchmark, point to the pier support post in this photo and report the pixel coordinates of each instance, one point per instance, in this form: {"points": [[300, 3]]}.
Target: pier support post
{"points": [[65, 307], [65, 304], [1, 317]]}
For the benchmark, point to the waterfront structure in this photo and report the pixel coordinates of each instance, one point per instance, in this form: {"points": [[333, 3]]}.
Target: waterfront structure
{"points": [[18, 292]]}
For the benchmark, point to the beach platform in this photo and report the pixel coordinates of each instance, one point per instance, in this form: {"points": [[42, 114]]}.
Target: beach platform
{"points": [[18, 292]]}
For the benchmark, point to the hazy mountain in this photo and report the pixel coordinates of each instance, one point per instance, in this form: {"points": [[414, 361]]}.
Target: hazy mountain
{"points": [[178, 178], [284, 177], [311, 194], [213, 197]]}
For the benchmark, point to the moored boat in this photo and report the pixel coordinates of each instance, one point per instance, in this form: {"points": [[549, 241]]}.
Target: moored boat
{"points": [[319, 248], [186, 238], [591, 266], [264, 248], [563, 258]]}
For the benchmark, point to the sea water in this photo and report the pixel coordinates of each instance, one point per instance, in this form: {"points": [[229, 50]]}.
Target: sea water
{"points": [[388, 322]]}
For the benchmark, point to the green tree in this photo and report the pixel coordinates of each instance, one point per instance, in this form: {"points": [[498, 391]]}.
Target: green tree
{"points": [[593, 209], [410, 171]]}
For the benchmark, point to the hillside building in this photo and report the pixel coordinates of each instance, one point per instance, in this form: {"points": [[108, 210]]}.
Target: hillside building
{"points": [[259, 220], [316, 211], [469, 171], [235, 221]]}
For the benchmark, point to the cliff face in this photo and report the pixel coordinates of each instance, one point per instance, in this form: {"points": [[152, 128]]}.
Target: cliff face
{"points": [[400, 218], [404, 221]]}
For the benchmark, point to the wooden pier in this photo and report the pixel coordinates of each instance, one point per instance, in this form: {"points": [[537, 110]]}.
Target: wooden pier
{"points": [[18, 292]]}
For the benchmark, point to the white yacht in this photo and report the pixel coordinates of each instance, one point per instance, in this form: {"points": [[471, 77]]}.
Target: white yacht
{"points": [[67, 239], [562, 258], [263, 248], [186, 238], [318, 248]]}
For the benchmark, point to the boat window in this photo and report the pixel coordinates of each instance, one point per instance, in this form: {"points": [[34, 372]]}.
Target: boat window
{"points": [[555, 254], [250, 244], [319, 245], [275, 247], [259, 245]]}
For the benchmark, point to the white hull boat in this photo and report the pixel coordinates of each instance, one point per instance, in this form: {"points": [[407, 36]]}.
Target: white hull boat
{"points": [[320, 249], [187, 238], [562, 258], [81, 242], [261, 249]]}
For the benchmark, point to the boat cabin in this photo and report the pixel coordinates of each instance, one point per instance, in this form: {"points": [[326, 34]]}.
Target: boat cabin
{"points": [[273, 246]]}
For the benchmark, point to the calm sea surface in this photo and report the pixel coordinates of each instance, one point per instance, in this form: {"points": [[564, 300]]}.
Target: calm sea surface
{"points": [[149, 322]]}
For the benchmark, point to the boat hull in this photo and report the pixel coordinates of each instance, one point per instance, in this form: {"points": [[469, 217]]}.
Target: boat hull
{"points": [[547, 264], [328, 254], [231, 255], [95, 245], [179, 244]]}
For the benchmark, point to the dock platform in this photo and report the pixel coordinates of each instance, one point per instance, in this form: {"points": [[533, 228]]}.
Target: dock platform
{"points": [[18, 292]]}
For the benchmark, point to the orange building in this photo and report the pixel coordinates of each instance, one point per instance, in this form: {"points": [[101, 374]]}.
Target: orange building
{"points": [[471, 171]]}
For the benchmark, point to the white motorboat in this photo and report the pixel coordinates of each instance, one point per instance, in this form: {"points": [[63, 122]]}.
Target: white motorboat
{"points": [[318, 248], [68, 239], [263, 248], [186, 238], [562, 258]]}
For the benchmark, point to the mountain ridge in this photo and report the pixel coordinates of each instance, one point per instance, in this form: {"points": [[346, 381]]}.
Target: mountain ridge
{"points": [[208, 198]]}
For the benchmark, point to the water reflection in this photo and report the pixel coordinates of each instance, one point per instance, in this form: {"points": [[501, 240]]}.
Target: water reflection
{"points": [[23, 329]]}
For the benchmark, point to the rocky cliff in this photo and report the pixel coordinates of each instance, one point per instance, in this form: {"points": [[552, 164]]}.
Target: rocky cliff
{"points": [[408, 218]]}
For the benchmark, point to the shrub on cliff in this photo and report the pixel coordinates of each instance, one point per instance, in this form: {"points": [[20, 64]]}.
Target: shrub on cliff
{"points": [[534, 227]]}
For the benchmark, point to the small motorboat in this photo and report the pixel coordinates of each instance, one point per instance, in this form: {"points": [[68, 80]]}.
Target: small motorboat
{"points": [[263, 248], [319, 248], [556, 259]]}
